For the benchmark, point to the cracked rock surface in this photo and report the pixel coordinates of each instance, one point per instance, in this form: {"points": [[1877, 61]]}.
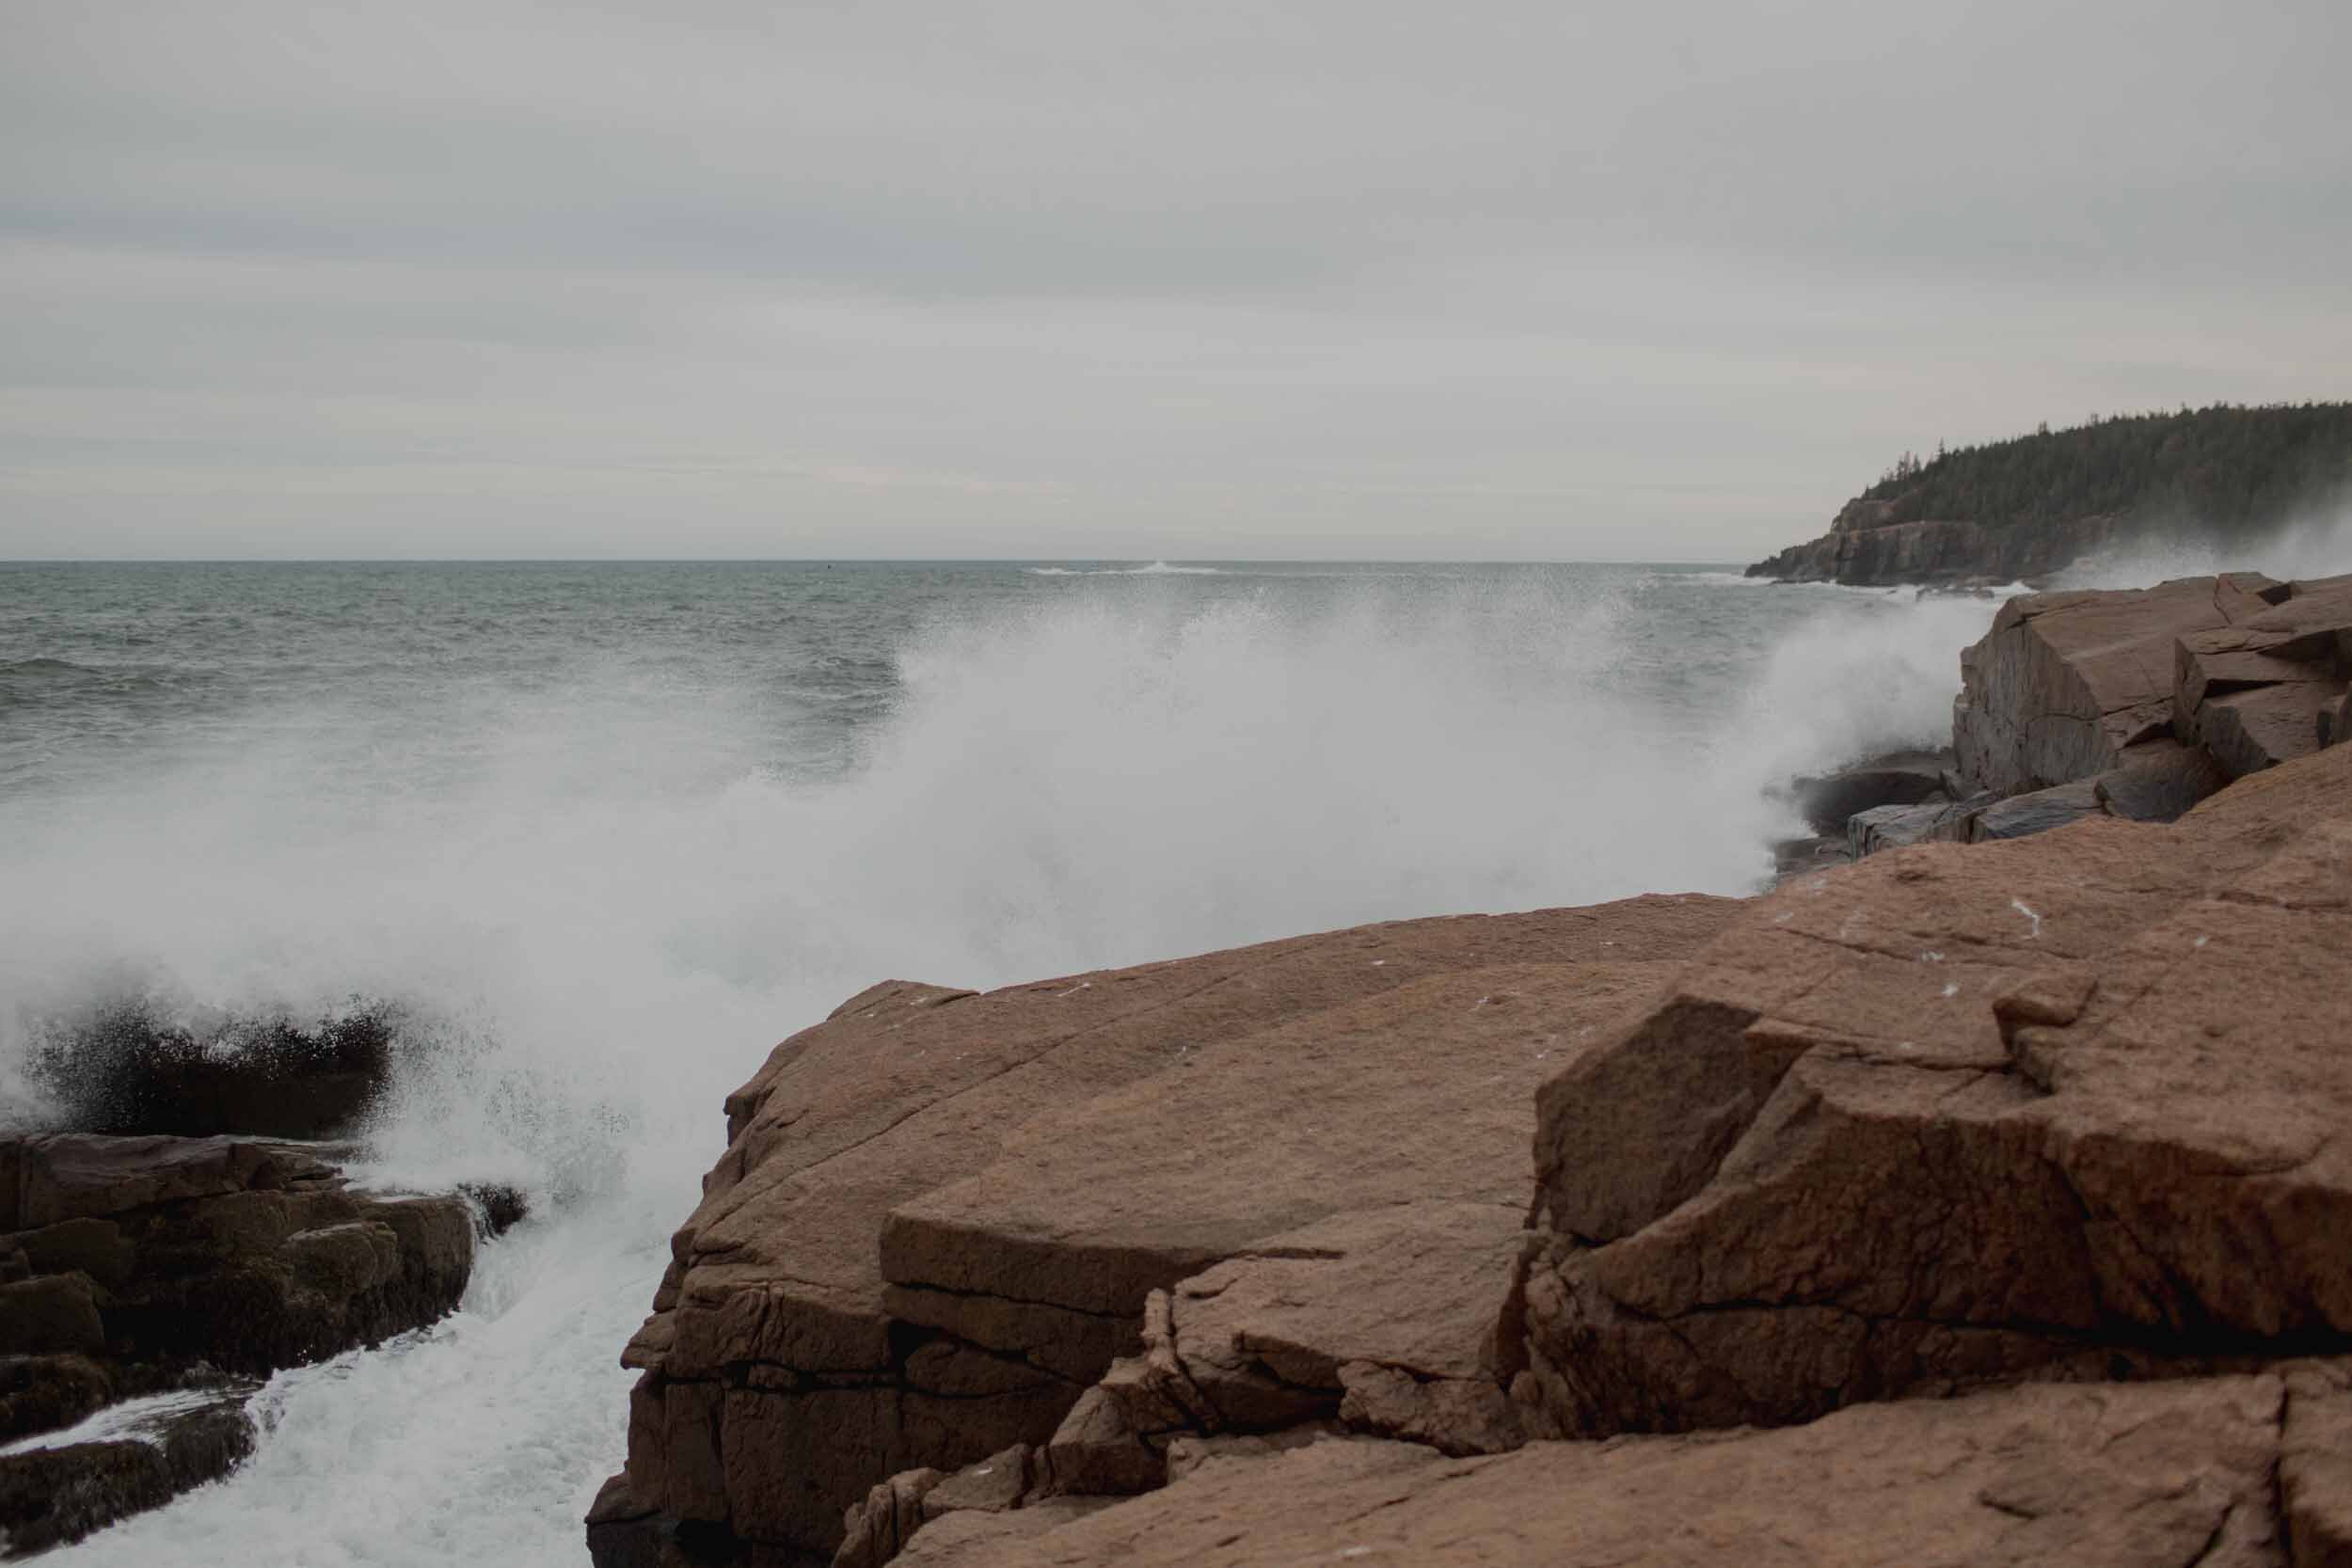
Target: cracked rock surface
{"points": [[2108, 1477], [941, 1214], [1963, 1114]]}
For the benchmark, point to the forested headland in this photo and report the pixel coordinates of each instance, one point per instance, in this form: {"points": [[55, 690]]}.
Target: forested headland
{"points": [[2033, 504]]}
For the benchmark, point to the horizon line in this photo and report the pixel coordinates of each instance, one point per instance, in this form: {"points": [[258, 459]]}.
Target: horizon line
{"points": [[844, 561]]}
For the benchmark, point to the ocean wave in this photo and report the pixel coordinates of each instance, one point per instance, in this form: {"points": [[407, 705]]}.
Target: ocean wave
{"points": [[47, 669], [1152, 569], [608, 915]]}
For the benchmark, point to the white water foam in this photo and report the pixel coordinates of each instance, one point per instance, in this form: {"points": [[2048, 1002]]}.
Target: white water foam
{"points": [[1150, 569], [142, 1420], [2317, 545], [603, 941]]}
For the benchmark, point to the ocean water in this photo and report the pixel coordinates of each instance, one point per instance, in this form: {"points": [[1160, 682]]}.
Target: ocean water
{"points": [[604, 834]]}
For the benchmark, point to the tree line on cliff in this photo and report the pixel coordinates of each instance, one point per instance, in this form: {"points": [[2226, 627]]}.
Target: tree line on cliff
{"points": [[2233, 468]]}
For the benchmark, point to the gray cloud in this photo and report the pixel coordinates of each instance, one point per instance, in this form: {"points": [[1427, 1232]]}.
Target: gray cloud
{"points": [[1102, 279]]}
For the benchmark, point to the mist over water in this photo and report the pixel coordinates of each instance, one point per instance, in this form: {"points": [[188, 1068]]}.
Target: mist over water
{"points": [[605, 834], [2317, 544]]}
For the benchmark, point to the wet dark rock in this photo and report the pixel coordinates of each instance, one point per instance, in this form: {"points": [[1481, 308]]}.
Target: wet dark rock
{"points": [[53, 1496], [156, 1264], [497, 1207], [50, 1313], [1898, 778], [42, 1393]]}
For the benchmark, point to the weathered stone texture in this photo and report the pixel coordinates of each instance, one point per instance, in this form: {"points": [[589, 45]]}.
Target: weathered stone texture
{"points": [[2064, 682], [941, 1214], [2117, 1476], [1958, 1115]]}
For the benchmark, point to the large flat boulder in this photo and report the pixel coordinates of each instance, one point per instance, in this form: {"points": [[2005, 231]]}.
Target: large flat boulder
{"points": [[1963, 1114], [941, 1214], [2113, 1477]]}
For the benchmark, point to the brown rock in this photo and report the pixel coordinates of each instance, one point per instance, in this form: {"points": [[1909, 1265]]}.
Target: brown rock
{"points": [[1391, 1317], [2269, 688], [2159, 781], [2249, 731], [2055, 1477], [2335, 721], [1035, 1161], [1962, 1115], [960, 1540], [891, 1513], [2316, 1464], [2064, 682], [996, 1483]]}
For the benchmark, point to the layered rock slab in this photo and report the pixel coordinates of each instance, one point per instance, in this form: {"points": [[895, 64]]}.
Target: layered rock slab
{"points": [[940, 1214], [2067, 686], [2058, 1107], [1399, 1322], [2064, 682], [2114, 1477]]}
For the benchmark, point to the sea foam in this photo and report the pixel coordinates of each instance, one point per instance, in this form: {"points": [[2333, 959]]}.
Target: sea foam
{"points": [[597, 906]]}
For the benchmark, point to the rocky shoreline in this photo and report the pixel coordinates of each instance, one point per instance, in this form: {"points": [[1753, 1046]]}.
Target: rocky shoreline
{"points": [[149, 1283], [1979, 1200]]}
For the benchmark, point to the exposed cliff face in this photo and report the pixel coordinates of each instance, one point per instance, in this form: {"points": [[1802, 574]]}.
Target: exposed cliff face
{"points": [[1865, 549], [2071, 687]]}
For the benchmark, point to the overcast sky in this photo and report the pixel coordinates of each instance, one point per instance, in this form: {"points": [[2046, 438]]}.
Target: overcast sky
{"points": [[1088, 279]]}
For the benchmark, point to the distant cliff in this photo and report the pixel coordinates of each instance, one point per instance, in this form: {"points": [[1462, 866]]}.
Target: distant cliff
{"points": [[2031, 505]]}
